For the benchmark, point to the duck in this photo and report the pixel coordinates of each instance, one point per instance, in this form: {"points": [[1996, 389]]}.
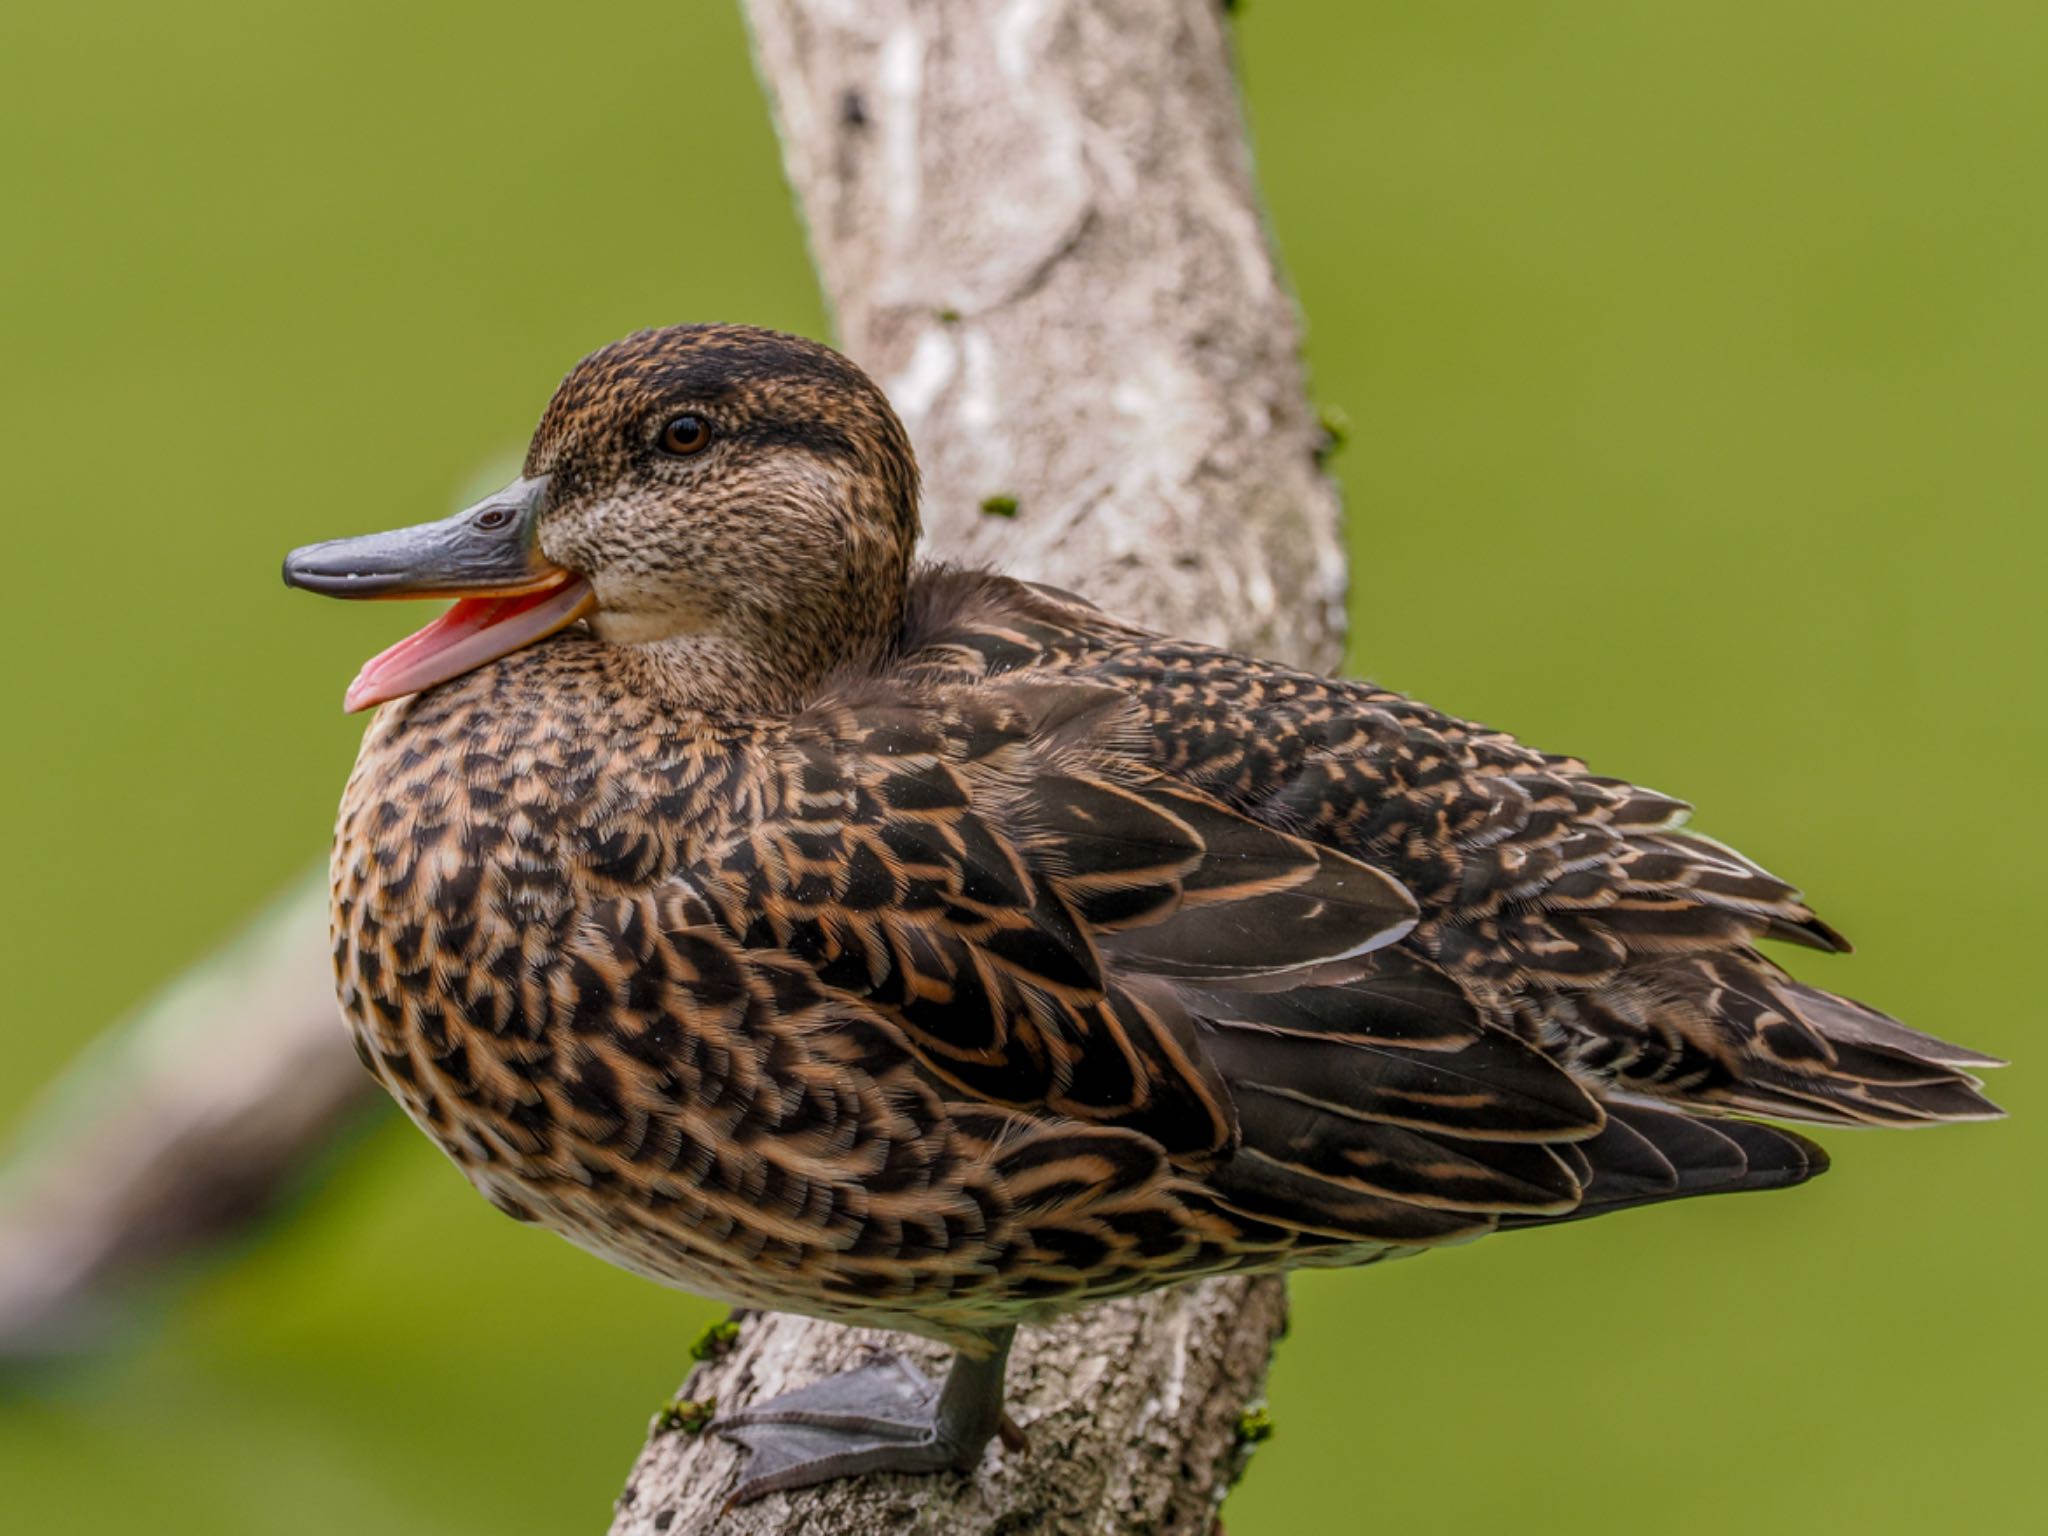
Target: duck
{"points": [[799, 923]]}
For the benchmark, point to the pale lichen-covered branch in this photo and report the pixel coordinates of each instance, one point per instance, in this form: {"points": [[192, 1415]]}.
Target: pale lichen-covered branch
{"points": [[1036, 224]]}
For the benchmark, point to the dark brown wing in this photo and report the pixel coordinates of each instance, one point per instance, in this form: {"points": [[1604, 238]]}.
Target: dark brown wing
{"points": [[1002, 889], [1576, 905], [1059, 929], [1568, 914]]}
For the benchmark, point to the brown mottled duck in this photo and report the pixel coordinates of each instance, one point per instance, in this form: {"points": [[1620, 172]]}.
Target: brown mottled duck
{"points": [[790, 922]]}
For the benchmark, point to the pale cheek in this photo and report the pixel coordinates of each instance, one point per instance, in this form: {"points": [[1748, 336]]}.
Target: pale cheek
{"points": [[589, 536], [808, 480], [659, 576]]}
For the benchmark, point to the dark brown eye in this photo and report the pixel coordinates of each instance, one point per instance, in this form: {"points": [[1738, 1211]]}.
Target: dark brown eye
{"points": [[686, 434]]}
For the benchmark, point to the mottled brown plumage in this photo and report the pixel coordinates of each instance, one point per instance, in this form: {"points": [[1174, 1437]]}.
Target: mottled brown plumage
{"points": [[919, 948]]}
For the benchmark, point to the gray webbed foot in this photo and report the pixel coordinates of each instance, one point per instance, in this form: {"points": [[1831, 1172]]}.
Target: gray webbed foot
{"points": [[885, 1416]]}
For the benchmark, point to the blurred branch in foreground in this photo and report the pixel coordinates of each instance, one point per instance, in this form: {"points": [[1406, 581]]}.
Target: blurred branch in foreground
{"points": [[177, 1129]]}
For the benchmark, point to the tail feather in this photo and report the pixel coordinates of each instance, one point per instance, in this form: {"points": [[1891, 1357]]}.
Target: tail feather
{"points": [[1732, 1032], [1843, 1019]]}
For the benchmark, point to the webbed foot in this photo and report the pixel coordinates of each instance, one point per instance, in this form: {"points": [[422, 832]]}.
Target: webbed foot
{"points": [[885, 1416]]}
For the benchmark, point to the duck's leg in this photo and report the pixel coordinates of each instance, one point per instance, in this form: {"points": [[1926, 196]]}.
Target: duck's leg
{"points": [[883, 1417]]}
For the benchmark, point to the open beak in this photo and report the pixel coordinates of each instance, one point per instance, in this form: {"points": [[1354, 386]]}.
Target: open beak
{"points": [[487, 557]]}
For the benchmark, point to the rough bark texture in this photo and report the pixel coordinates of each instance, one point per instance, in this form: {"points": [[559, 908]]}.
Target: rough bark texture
{"points": [[1035, 220], [1132, 1410], [1036, 223]]}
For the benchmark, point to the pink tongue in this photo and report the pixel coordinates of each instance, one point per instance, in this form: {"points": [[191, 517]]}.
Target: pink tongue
{"points": [[474, 631]]}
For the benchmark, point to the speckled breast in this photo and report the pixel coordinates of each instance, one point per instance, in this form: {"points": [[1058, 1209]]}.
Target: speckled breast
{"points": [[491, 829], [454, 894], [529, 976]]}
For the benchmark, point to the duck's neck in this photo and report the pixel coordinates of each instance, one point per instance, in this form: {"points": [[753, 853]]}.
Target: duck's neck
{"points": [[763, 660]]}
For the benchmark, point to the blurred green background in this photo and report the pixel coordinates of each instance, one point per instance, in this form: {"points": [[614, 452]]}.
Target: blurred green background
{"points": [[1696, 356]]}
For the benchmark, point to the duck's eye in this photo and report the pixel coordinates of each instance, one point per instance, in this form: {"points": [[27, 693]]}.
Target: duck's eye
{"points": [[686, 434]]}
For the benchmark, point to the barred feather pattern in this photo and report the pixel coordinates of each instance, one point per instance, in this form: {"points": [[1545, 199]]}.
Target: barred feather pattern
{"points": [[1049, 960]]}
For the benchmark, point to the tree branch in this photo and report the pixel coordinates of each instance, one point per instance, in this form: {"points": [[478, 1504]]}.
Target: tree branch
{"points": [[184, 1124], [1036, 223]]}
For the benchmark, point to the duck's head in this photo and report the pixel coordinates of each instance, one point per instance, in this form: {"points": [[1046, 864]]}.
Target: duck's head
{"points": [[726, 499]]}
